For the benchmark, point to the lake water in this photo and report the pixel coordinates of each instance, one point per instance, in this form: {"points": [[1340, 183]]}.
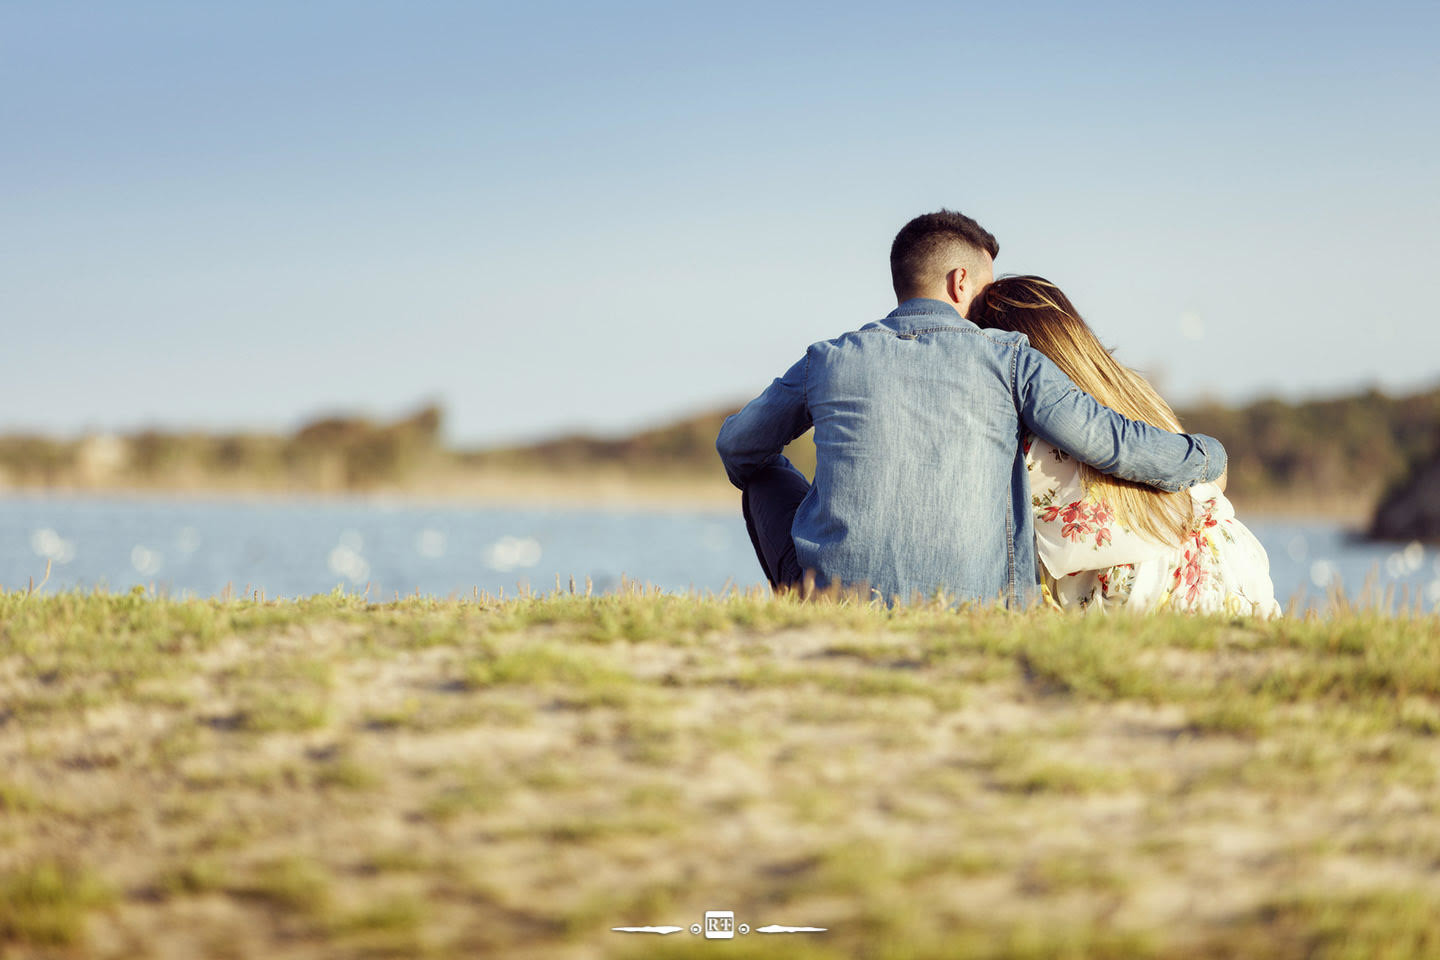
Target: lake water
{"points": [[300, 547]]}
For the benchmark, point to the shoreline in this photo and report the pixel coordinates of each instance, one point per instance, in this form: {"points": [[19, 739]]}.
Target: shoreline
{"points": [[510, 490], [611, 490]]}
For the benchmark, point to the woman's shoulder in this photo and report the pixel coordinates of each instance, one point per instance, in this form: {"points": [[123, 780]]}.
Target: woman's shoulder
{"points": [[1211, 503], [1038, 450], [1206, 491], [1049, 468]]}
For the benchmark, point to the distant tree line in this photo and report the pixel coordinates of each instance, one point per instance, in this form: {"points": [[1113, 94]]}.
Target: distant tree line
{"points": [[682, 446], [1353, 447], [1358, 445], [332, 453]]}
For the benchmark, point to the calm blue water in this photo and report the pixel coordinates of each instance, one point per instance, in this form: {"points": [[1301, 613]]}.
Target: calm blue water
{"points": [[300, 547]]}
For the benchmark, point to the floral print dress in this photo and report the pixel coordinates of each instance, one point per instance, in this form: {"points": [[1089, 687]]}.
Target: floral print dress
{"points": [[1089, 559]]}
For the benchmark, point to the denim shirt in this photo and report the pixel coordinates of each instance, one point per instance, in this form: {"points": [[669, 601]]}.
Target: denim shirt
{"points": [[920, 482]]}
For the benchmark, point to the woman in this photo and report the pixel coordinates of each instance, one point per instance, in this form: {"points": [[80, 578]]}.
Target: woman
{"points": [[1103, 541]]}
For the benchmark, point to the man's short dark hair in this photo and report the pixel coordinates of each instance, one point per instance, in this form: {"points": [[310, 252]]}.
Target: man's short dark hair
{"points": [[924, 245]]}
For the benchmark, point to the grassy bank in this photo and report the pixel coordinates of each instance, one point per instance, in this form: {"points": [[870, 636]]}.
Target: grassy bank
{"points": [[336, 778]]}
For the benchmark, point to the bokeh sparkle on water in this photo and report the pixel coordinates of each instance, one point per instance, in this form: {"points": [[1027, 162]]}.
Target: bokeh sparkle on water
{"points": [[302, 547]]}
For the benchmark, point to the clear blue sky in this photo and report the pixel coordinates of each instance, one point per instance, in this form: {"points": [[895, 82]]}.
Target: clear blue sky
{"points": [[555, 216]]}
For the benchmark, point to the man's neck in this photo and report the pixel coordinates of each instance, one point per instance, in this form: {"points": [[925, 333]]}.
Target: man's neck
{"points": [[932, 295], [931, 299]]}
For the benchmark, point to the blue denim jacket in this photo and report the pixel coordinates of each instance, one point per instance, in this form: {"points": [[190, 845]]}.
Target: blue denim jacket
{"points": [[920, 482]]}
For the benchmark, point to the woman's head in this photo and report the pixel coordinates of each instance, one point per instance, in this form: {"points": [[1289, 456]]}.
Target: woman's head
{"points": [[1037, 308]]}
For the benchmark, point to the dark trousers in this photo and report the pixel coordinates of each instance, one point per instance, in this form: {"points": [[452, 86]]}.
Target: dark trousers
{"points": [[769, 501]]}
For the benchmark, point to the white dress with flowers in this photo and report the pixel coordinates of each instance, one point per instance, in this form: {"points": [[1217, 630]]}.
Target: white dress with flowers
{"points": [[1089, 559]]}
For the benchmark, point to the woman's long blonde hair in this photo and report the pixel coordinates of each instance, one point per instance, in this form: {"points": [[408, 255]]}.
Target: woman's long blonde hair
{"points": [[1037, 308]]}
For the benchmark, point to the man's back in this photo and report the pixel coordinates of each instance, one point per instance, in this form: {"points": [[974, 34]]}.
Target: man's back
{"points": [[916, 435]]}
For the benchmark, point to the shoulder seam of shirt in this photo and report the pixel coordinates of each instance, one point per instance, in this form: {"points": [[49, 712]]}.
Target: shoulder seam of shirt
{"points": [[877, 327], [940, 329], [944, 328]]}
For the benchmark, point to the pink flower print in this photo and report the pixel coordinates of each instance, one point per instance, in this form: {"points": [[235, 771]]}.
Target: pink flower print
{"points": [[1194, 574]]}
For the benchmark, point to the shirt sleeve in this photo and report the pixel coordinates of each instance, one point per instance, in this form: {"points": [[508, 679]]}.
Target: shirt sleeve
{"points": [[1070, 419], [753, 438]]}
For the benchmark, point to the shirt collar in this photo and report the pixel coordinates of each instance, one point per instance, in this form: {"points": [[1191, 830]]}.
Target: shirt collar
{"points": [[918, 313]]}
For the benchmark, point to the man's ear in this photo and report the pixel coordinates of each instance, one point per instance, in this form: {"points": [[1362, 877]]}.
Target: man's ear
{"points": [[955, 284]]}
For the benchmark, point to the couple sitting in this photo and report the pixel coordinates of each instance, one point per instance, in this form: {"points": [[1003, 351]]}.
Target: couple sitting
{"points": [[950, 452]]}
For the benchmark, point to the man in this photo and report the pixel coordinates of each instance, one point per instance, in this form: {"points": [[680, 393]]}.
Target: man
{"points": [[920, 483]]}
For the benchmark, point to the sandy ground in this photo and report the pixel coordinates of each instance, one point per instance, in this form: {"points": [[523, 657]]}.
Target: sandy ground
{"points": [[451, 784]]}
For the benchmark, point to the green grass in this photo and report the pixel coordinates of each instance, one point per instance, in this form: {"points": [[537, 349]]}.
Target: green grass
{"points": [[476, 792], [45, 903], [290, 883], [465, 778]]}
